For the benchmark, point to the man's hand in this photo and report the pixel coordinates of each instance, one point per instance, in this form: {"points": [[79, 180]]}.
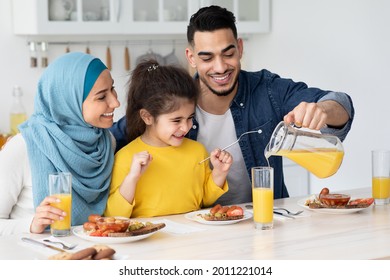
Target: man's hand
{"points": [[317, 115]]}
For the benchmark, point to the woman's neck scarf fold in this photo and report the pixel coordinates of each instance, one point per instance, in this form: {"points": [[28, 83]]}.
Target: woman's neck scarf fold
{"points": [[59, 140]]}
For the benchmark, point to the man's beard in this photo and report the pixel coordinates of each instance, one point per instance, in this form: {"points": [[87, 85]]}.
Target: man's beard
{"points": [[221, 93]]}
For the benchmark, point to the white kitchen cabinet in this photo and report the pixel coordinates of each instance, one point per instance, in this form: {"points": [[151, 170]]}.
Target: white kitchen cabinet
{"points": [[127, 17]]}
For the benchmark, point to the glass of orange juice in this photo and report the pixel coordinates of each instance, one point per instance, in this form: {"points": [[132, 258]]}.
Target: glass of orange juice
{"points": [[263, 196], [381, 176], [60, 186]]}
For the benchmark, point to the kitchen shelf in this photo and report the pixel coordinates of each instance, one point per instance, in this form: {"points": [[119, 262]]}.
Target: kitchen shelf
{"points": [[127, 17]]}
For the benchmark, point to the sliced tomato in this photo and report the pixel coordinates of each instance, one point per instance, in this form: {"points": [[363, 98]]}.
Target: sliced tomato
{"points": [[106, 232], [235, 211], [357, 201], [97, 232]]}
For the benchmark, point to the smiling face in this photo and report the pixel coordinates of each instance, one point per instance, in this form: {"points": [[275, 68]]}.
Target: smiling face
{"points": [[99, 106], [216, 56], [168, 129]]}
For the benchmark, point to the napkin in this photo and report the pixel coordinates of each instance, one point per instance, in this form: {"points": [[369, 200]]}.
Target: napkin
{"points": [[178, 228]]}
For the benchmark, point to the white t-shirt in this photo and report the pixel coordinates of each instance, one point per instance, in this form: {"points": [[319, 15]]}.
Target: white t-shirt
{"points": [[218, 131], [16, 201]]}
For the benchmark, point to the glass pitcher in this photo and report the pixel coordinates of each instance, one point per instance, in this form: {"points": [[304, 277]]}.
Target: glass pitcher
{"points": [[320, 154]]}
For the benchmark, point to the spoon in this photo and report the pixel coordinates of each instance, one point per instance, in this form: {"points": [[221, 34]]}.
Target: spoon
{"points": [[70, 247], [235, 142]]}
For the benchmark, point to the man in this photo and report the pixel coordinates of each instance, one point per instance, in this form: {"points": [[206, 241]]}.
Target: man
{"points": [[234, 101]]}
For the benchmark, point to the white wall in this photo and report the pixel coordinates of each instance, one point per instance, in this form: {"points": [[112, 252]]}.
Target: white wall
{"points": [[341, 46], [337, 45]]}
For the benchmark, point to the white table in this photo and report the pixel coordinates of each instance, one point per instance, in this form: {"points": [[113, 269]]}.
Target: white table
{"points": [[362, 235]]}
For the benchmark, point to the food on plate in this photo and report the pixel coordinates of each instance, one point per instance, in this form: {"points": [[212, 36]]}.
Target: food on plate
{"points": [[96, 252], [324, 191], [113, 224], [93, 218], [224, 213], [104, 225], [335, 200], [88, 226], [361, 201], [118, 227], [138, 228]]}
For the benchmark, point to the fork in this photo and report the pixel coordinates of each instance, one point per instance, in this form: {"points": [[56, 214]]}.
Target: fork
{"points": [[235, 142], [288, 212], [72, 246]]}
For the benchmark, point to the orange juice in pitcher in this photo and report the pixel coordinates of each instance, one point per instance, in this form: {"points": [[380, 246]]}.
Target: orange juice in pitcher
{"points": [[320, 154]]}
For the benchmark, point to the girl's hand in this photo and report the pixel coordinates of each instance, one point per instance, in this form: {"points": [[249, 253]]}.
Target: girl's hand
{"points": [[45, 215], [139, 164], [221, 160]]}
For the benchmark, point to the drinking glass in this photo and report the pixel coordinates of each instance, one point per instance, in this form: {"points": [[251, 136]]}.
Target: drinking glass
{"points": [[263, 196], [381, 176], [60, 186]]}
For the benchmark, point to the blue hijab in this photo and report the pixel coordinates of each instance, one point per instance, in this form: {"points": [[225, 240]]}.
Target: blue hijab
{"points": [[59, 140]]}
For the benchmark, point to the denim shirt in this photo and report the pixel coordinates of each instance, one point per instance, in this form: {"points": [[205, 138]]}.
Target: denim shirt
{"points": [[261, 102]]}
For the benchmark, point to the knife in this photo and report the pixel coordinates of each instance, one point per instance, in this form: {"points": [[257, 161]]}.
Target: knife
{"points": [[248, 206], [33, 241]]}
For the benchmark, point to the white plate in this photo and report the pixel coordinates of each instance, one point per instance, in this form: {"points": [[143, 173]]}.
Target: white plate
{"points": [[330, 210], [79, 232], [196, 216]]}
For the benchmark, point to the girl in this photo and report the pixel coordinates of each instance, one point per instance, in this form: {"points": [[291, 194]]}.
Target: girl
{"points": [[68, 131], [158, 172]]}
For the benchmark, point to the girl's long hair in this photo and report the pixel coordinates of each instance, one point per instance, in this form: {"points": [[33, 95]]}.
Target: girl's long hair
{"points": [[157, 89]]}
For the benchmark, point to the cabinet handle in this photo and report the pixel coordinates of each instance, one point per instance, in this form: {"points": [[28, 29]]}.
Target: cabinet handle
{"points": [[127, 59], [108, 58], [117, 9]]}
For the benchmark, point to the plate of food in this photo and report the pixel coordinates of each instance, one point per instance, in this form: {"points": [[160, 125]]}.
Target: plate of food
{"points": [[219, 215], [335, 203], [112, 230]]}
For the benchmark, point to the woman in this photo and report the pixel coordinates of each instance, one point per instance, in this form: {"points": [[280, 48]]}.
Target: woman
{"points": [[68, 132]]}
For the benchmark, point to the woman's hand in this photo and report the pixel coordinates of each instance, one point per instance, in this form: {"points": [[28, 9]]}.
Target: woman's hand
{"points": [[45, 215]]}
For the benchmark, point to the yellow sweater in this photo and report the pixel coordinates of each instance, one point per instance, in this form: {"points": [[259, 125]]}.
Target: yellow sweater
{"points": [[173, 183]]}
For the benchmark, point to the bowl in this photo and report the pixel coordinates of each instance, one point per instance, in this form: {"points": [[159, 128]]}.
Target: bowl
{"points": [[116, 224], [335, 199]]}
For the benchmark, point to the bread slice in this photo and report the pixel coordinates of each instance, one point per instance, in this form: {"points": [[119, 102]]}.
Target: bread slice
{"points": [[211, 217], [144, 230]]}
